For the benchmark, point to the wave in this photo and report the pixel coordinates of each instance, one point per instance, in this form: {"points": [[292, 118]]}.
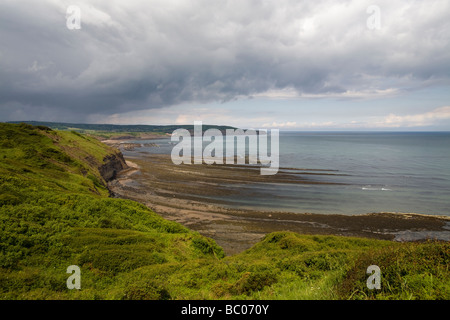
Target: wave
{"points": [[370, 188]]}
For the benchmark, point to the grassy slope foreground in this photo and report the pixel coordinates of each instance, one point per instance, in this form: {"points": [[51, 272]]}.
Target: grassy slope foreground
{"points": [[55, 211]]}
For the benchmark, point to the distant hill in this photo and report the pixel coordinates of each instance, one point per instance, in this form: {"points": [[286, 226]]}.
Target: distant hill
{"points": [[118, 128]]}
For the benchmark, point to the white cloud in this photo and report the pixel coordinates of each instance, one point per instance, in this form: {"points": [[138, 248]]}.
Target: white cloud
{"points": [[287, 124], [35, 67], [285, 93], [415, 120], [181, 114], [362, 94], [391, 121]]}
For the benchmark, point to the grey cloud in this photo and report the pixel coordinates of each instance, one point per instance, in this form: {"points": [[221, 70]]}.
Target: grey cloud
{"points": [[135, 55]]}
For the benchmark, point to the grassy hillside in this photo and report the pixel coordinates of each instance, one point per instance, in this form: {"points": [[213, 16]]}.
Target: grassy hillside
{"points": [[114, 131], [55, 211]]}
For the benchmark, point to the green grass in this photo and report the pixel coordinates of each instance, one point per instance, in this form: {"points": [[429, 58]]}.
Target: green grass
{"points": [[55, 212], [408, 271]]}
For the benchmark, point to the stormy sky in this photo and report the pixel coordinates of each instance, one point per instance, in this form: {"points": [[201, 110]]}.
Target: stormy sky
{"points": [[297, 65]]}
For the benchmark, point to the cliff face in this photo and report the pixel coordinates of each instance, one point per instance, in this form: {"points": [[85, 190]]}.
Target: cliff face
{"points": [[112, 164]]}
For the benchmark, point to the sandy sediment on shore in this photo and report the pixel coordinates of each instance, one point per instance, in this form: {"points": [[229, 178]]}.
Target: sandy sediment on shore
{"points": [[177, 193], [132, 164]]}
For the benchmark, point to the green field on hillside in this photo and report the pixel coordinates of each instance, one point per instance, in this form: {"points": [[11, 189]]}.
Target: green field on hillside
{"points": [[115, 131]]}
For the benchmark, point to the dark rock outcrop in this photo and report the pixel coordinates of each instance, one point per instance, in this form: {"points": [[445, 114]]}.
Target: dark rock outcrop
{"points": [[112, 164]]}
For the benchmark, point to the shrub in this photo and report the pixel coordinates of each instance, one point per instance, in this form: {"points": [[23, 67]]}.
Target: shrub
{"points": [[253, 281], [408, 271], [146, 290], [207, 246], [10, 199]]}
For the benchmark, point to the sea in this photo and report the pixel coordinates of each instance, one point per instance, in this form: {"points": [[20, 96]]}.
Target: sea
{"points": [[364, 172]]}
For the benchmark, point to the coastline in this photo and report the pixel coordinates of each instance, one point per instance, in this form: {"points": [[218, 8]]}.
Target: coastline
{"points": [[149, 181]]}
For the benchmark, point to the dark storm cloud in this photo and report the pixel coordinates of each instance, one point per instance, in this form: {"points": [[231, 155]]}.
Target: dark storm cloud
{"points": [[134, 55]]}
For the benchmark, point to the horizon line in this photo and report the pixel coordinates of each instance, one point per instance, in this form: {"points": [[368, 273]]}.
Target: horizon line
{"points": [[227, 125]]}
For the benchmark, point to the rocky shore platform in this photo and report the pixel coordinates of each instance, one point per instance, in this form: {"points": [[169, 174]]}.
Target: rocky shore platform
{"points": [[177, 193]]}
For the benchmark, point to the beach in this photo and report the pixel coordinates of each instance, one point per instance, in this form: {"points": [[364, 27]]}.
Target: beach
{"points": [[188, 194]]}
